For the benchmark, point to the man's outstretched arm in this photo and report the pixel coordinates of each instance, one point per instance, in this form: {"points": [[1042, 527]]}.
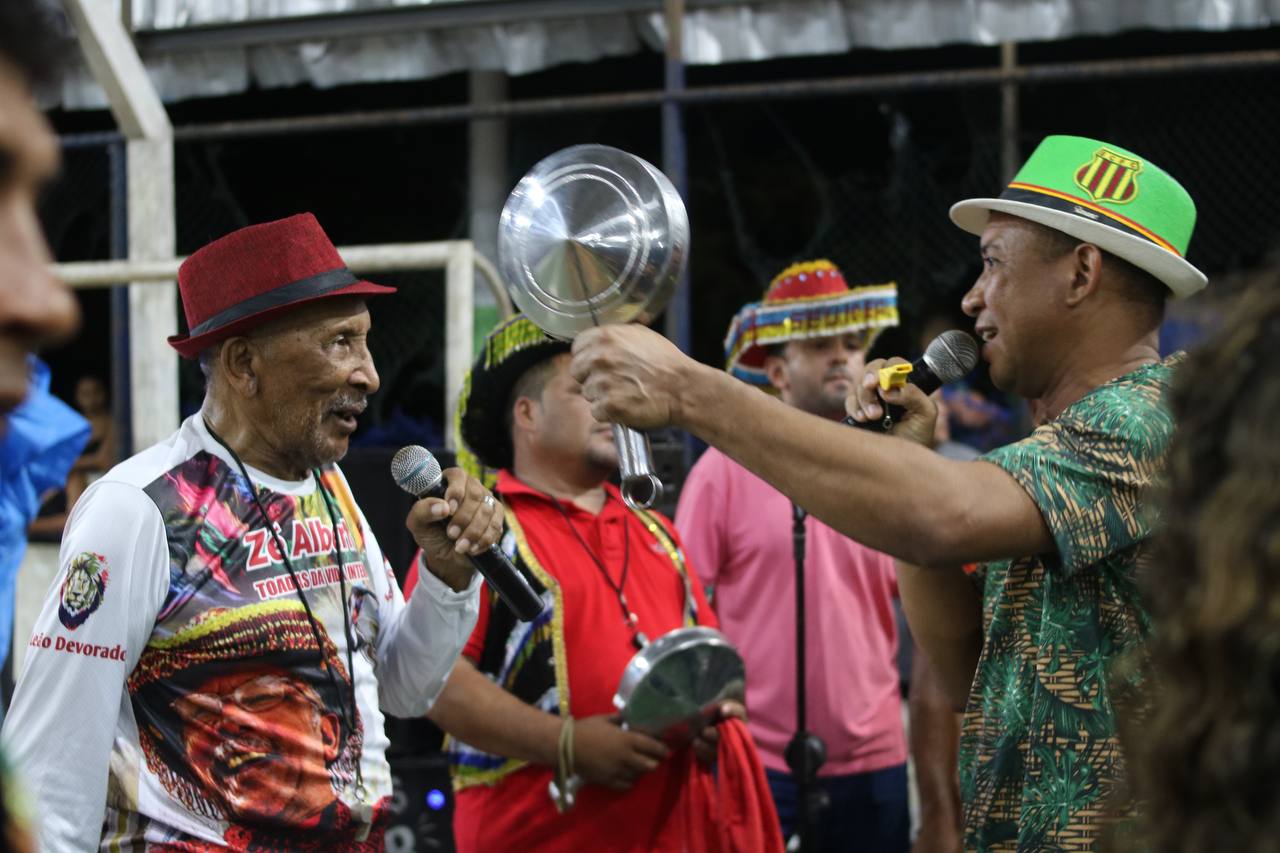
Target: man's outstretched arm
{"points": [[892, 495]]}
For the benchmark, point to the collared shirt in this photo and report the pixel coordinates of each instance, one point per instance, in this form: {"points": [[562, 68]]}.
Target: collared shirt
{"points": [[1039, 756], [517, 812], [737, 529]]}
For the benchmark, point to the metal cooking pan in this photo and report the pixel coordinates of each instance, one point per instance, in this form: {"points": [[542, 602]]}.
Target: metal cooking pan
{"points": [[674, 686], [672, 689], [594, 235]]}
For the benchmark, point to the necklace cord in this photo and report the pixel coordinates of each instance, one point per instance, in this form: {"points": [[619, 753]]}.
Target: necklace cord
{"points": [[628, 617], [273, 528]]}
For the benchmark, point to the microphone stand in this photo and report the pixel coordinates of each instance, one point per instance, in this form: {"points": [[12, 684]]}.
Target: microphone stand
{"points": [[805, 752]]}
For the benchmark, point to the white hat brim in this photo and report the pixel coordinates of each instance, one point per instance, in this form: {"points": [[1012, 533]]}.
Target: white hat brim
{"points": [[1176, 273]]}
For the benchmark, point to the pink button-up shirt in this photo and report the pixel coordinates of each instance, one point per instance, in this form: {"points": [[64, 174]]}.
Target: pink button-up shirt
{"points": [[737, 534]]}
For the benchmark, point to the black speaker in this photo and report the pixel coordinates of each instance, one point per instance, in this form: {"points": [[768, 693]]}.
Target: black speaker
{"points": [[422, 798], [384, 504], [421, 806]]}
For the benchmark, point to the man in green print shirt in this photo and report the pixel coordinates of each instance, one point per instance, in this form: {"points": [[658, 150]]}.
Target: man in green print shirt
{"points": [[1080, 252]]}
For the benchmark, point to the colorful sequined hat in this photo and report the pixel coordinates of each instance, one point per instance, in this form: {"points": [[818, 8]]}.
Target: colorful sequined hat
{"points": [[509, 350], [1105, 195], [806, 300]]}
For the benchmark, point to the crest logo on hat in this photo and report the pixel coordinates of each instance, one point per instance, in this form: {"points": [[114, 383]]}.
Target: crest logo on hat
{"points": [[1110, 177], [83, 589]]}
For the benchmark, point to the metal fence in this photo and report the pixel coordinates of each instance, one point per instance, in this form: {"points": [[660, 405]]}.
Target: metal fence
{"points": [[837, 167]]}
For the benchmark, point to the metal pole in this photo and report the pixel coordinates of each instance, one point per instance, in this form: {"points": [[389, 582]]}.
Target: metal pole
{"points": [[136, 107], [120, 383], [804, 799], [806, 752], [486, 186], [678, 324], [875, 84], [675, 161], [1009, 158], [460, 283], [487, 162]]}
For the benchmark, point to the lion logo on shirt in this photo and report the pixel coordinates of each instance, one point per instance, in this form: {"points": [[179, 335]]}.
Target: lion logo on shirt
{"points": [[83, 589]]}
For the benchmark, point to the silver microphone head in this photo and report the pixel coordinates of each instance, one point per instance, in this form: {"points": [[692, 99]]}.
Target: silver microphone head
{"points": [[951, 355], [415, 470]]}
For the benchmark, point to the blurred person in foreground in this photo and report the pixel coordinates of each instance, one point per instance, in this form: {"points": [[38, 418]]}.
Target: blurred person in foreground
{"points": [[807, 342], [224, 633], [35, 309], [531, 703], [1079, 254], [1206, 757]]}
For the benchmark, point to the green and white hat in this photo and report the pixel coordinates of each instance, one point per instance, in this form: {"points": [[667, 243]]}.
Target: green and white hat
{"points": [[1105, 195]]}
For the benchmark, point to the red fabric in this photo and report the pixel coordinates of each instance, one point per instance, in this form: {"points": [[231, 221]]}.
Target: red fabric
{"points": [[411, 576], [730, 808], [653, 816]]}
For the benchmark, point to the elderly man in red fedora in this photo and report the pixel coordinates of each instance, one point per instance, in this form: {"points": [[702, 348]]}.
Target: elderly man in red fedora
{"points": [[243, 508]]}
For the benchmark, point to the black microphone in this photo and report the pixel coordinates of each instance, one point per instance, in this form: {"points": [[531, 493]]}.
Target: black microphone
{"points": [[417, 472], [949, 357]]}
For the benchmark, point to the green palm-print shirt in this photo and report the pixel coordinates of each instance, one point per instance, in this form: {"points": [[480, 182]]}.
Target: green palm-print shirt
{"points": [[1038, 753]]}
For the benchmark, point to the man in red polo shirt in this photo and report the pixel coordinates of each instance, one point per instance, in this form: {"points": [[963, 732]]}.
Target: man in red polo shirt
{"points": [[525, 695]]}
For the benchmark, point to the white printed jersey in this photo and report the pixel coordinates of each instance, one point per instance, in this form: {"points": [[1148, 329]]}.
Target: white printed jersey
{"points": [[176, 694]]}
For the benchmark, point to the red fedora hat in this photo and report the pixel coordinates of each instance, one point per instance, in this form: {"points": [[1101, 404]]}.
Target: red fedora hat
{"points": [[252, 275]]}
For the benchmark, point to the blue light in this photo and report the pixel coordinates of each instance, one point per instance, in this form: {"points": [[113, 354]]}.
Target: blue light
{"points": [[435, 799]]}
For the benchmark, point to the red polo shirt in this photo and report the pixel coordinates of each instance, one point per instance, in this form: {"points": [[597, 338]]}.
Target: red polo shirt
{"points": [[518, 812]]}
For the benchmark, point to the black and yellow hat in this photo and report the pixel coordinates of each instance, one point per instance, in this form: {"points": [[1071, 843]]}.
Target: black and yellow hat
{"points": [[509, 350]]}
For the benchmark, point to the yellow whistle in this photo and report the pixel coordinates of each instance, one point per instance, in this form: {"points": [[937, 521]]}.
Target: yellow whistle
{"points": [[894, 376]]}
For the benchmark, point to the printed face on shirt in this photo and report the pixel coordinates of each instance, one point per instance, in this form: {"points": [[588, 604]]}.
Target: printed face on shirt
{"points": [[35, 307], [315, 376], [816, 375], [260, 743], [562, 427]]}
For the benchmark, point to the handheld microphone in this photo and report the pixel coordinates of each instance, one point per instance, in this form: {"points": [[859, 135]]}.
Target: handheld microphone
{"points": [[417, 472], [949, 357]]}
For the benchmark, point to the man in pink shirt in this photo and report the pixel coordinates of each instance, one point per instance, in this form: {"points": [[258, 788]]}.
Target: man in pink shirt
{"points": [[807, 341]]}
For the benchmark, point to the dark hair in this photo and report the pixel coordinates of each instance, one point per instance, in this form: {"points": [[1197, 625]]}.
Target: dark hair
{"points": [[530, 384], [1135, 283], [33, 39], [1205, 754]]}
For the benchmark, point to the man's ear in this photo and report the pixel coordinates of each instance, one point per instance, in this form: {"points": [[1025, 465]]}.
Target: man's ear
{"points": [[1086, 273], [238, 359], [775, 370], [524, 413]]}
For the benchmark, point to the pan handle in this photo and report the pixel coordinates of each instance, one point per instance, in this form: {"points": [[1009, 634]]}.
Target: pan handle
{"points": [[641, 488]]}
